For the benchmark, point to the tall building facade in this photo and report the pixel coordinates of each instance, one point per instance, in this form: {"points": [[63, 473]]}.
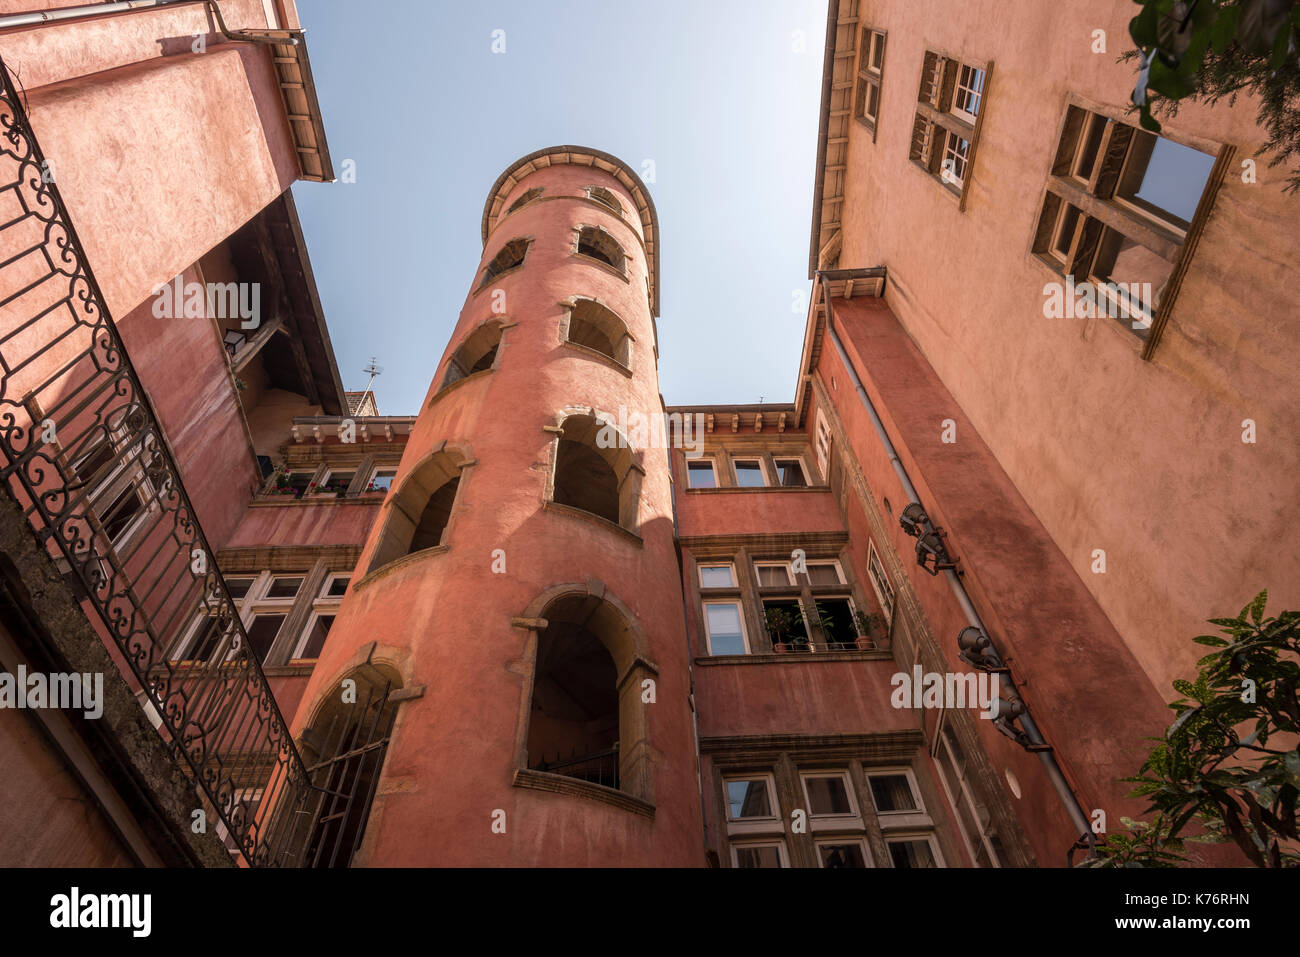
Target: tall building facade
{"points": [[924, 615]]}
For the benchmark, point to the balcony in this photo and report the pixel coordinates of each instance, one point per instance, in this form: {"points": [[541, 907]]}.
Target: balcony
{"points": [[90, 481]]}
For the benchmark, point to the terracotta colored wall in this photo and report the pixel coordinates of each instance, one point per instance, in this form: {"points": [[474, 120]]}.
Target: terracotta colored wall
{"points": [[1079, 679], [64, 828], [766, 510], [332, 522], [143, 221], [448, 617], [1142, 459]]}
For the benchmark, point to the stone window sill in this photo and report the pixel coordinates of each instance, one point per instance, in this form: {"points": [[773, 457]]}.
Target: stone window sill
{"points": [[559, 784]]}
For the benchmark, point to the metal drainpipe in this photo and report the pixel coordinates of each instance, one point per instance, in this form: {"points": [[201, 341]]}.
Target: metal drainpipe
{"points": [[1048, 758], [125, 6]]}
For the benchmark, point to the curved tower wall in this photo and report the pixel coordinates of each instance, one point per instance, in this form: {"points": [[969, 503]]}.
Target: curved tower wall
{"points": [[462, 620]]}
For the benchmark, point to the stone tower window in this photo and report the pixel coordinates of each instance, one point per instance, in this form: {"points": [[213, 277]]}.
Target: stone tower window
{"points": [[418, 514], [510, 257], [587, 719], [477, 353], [595, 471], [598, 328], [524, 200], [433, 520], [601, 246], [605, 197]]}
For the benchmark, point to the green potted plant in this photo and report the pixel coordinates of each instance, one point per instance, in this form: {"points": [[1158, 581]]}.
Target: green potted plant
{"points": [[869, 625], [781, 624]]}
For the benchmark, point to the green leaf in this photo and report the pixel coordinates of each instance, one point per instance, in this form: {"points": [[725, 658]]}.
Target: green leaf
{"points": [[1211, 641], [1257, 606], [1142, 28], [1224, 27]]}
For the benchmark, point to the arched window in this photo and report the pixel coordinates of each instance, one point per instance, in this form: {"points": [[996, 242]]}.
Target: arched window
{"points": [[594, 326], [585, 480], [417, 515], [345, 747], [600, 245], [596, 472], [605, 197], [587, 719], [510, 257], [476, 354], [524, 200]]}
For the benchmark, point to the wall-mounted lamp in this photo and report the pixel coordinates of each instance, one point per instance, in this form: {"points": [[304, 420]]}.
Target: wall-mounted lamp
{"points": [[913, 519]]}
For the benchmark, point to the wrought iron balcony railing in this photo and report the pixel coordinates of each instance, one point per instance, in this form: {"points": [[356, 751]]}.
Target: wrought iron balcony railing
{"points": [[83, 455]]}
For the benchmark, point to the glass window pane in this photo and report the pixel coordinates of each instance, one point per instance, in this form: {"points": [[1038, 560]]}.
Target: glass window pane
{"points": [[823, 573], [749, 475], [316, 637], [841, 855], [238, 587], [700, 475], [892, 792], [970, 87], [382, 481], [748, 799], [716, 576], [873, 101], [827, 795], [1069, 223], [337, 587], [1087, 159], [772, 576], [790, 473], [911, 853], [338, 481], [725, 637], [765, 855], [284, 587], [205, 641], [262, 632], [1166, 175]]}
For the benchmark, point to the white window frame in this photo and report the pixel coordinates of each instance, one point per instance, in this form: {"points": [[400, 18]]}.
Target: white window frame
{"points": [[778, 843], [323, 604], [951, 157], [740, 614], [773, 823], [223, 834], [846, 839], [914, 819], [833, 562], [907, 838], [876, 566], [738, 460], [965, 795], [822, 442], [713, 466], [778, 457], [731, 569], [325, 477], [976, 94], [103, 494], [853, 818], [790, 581], [374, 473]]}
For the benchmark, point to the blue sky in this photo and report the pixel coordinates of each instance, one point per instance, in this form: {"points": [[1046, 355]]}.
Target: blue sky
{"points": [[722, 95]]}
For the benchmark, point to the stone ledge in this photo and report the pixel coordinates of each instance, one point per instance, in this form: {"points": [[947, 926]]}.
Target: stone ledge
{"points": [[794, 657], [584, 515], [559, 784], [397, 563]]}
